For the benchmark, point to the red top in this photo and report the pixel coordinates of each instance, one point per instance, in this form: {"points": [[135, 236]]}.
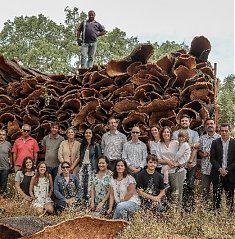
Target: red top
{"points": [[24, 148]]}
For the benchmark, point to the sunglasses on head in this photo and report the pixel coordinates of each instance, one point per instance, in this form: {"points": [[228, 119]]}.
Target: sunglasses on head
{"points": [[65, 167], [26, 130]]}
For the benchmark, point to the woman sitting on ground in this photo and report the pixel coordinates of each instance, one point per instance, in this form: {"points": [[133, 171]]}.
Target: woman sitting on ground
{"points": [[23, 178], [122, 192], [100, 186], [67, 188], [40, 190]]}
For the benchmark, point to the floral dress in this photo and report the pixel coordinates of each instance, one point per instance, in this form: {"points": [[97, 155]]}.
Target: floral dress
{"points": [[101, 186], [41, 191]]}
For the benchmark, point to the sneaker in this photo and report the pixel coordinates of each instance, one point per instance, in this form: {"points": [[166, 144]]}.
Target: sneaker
{"points": [[166, 185]]}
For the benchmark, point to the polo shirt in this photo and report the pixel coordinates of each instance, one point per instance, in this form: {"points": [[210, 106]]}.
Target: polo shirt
{"points": [[24, 149]]}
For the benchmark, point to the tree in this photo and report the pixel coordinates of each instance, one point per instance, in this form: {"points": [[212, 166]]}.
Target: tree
{"points": [[165, 48], [38, 42], [227, 101]]}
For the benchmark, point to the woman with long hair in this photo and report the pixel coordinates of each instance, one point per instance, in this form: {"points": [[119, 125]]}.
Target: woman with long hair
{"points": [[69, 150], [67, 188], [123, 192], [100, 186], [168, 157], [154, 138], [23, 178], [89, 153], [41, 188]]}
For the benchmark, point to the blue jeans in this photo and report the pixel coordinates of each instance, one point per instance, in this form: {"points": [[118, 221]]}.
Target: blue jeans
{"points": [[3, 181], [124, 209], [88, 51]]}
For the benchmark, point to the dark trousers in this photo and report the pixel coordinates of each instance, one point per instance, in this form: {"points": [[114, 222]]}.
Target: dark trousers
{"points": [[3, 181], [53, 171], [206, 183], [218, 187], [189, 189]]}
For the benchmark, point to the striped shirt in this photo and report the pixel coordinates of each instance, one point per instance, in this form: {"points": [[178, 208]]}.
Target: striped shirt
{"points": [[135, 154], [112, 145]]}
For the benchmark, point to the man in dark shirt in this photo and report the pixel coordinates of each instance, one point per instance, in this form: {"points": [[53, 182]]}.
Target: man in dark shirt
{"points": [[222, 157], [150, 186], [87, 34]]}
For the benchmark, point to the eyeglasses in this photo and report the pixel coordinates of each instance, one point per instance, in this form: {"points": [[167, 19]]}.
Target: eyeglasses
{"points": [[26, 130], [135, 132], [65, 167]]}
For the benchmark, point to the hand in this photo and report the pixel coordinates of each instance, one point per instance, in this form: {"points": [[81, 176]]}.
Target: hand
{"points": [[223, 172], [156, 198], [27, 198], [136, 170], [171, 164], [79, 41], [109, 211], [99, 206]]}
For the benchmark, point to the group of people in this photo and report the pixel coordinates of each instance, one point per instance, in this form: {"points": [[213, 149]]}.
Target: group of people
{"points": [[118, 176]]}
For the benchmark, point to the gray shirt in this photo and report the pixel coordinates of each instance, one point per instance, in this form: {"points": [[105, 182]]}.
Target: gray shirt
{"points": [[5, 151], [51, 146], [112, 145]]}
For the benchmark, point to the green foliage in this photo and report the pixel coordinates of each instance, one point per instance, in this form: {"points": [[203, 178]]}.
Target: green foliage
{"points": [[227, 101], [38, 42], [114, 45], [165, 48]]}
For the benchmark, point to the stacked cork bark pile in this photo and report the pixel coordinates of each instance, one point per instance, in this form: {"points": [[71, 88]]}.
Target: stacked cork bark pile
{"points": [[132, 90]]}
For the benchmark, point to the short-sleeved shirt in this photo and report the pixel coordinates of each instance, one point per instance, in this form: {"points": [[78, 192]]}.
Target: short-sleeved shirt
{"points": [[5, 150], [91, 29], [120, 189], [24, 149], [112, 145], [150, 183], [205, 146], [135, 154], [51, 146]]}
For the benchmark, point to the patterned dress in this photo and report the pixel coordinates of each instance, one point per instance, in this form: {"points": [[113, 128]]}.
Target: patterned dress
{"points": [[41, 191], [101, 186]]}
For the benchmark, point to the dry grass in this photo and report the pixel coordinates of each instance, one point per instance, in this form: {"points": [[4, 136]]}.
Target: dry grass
{"points": [[174, 224]]}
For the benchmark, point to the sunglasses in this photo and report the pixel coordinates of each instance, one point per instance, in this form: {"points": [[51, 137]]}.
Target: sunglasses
{"points": [[65, 167], [26, 130], [135, 132]]}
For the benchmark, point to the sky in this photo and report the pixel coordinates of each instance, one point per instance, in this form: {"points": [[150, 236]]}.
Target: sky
{"points": [[149, 20]]}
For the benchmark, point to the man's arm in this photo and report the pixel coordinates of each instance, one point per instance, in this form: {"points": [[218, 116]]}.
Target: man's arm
{"points": [[213, 156], [151, 197]]}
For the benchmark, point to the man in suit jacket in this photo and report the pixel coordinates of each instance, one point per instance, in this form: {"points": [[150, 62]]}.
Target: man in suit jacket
{"points": [[222, 157]]}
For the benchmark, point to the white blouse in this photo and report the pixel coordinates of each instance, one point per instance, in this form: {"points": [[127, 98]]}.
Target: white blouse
{"points": [[120, 189]]}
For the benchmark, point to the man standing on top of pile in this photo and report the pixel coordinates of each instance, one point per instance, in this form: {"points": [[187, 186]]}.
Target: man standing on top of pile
{"points": [[87, 34]]}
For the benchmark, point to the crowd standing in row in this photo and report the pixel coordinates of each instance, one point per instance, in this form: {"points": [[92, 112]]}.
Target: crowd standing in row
{"points": [[119, 176]]}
